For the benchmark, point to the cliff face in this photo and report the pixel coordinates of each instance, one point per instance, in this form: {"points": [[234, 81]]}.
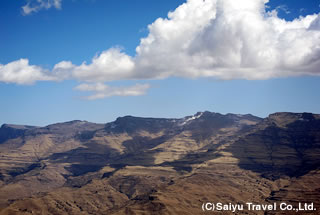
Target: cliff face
{"points": [[284, 144], [159, 166], [12, 131]]}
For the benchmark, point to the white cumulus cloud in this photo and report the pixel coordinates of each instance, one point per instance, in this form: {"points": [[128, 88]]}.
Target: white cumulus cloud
{"points": [[110, 65], [101, 90], [20, 72], [222, 39], [229, 39], [34, 6]]}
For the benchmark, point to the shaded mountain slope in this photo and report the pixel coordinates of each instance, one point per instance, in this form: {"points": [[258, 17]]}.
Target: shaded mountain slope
{"points": [[160, 166], [284, 144]]}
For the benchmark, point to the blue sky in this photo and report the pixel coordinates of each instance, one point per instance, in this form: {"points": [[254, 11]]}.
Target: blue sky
{"points": [[169, 76]]}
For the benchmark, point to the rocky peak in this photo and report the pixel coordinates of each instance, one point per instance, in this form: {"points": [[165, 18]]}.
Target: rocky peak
{"points": [[283, 119], [131, 124], [8, 131]]}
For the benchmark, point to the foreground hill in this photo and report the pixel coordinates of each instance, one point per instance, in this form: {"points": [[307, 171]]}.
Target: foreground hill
{"points": [[160, 166]]}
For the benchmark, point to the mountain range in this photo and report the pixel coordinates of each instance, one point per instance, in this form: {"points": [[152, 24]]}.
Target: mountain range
{"points": [[138, 165]]}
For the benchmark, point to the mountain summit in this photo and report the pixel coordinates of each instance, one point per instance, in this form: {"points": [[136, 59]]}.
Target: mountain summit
{"points": [[138, 165]]}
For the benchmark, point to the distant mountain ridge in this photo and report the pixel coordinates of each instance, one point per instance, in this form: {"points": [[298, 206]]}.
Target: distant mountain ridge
{"points": [[137, 162]]}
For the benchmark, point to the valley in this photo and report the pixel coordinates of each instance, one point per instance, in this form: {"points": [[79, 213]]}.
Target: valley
{"points": [[140, 165]]}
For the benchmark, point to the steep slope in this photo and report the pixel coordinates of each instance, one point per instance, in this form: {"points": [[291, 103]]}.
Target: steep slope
{"points": [[25, 169], [8, 131], [284, 144], [162, 166]]}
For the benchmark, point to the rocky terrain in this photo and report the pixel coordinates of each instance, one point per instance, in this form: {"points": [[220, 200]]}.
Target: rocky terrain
{"points": [[161, 166]]}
